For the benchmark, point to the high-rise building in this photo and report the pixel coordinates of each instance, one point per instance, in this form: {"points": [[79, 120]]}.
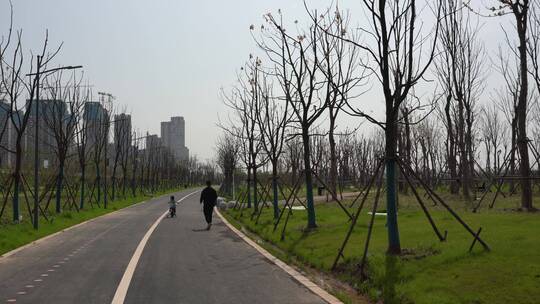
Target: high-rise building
{"points": [[95, 118], [8, 133], [173, 136], [153, 142], [122, 131], [52, 114]]}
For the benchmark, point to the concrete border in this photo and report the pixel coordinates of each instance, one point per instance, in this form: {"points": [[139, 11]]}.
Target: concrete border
{"points": [[288, 269], [40, 240]]}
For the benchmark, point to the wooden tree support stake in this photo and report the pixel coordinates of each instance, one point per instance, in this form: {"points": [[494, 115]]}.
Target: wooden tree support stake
{"points": [[476, 237]]}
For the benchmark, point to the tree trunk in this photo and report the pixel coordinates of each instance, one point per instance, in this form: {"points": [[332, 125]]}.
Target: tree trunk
{"points": [[255, 194], [83, 184], [513, 152], [17, 181], [521, 115], [59, 186], [249, 187], [98, 183], [451, 144], [311, 220], [333, 158], [275, 189], [463, 153], [391, 133]]}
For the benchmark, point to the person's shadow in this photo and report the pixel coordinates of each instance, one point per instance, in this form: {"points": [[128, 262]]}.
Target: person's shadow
{"points": [[200, 230]]}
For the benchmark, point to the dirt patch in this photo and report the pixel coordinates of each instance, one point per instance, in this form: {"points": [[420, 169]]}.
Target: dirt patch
{"points": [[408, 254]]}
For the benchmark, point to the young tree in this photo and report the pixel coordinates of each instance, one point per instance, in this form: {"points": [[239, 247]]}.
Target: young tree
{"points": [[227, 148], [298, 71], [460, 69], [494, 135], [245, 102], [519, 9], [273, 119], [399, 59], [343, 71], [15, 86], [81, 142], [62, 116]]}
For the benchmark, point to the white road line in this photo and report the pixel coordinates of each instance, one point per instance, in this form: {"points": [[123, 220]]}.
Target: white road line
{"points": [[121, 290]]}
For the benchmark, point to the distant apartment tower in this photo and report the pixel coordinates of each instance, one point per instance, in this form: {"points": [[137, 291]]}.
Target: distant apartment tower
{"points": [[8, 135], [95, 117], [173, 136], [153, 145], [122, 132], [52, 112]]}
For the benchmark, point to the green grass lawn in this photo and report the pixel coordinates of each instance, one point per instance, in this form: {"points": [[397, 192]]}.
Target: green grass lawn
{"points": [[15, 235], [431, 271]]}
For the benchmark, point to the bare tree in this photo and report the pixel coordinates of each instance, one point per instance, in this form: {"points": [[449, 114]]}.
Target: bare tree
{"points": [[61, 117], [245, 100], [399, 61], [494, 135], [15, 86], [460, 69], [273, 119], [519, 9], [227, 159], [98, 129], [534, 54], [122, 142], [81, 142], [298, 71], [343, 71]]}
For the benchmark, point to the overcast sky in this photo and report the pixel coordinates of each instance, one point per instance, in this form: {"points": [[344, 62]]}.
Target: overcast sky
{"points": [[165, 58]]}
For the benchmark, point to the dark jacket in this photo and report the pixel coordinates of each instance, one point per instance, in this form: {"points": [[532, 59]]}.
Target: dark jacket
{"points": [[209, 196]]}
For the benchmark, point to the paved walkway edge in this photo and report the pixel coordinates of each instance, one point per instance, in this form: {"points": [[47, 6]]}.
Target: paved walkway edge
{"points": [[288, 269]]}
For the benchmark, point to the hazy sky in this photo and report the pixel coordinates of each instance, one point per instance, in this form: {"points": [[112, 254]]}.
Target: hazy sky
{"points": [[162, 58]]}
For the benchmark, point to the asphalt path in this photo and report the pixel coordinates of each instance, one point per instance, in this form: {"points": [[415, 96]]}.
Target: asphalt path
{"points": [[180, 263]]}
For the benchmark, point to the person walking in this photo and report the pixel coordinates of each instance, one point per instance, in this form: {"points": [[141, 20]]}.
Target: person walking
{"points": [[208, 199]]}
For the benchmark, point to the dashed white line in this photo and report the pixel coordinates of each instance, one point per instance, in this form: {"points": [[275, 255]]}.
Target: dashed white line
{"points": [[44, 275], [29, 286], [38, 280]]}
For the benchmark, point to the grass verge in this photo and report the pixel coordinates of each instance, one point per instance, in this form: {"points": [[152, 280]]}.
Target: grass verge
{"points": [[13, 236], [430, 271]]}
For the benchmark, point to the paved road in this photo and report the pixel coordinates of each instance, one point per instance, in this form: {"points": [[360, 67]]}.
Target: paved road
{"points": [[178, 265]]}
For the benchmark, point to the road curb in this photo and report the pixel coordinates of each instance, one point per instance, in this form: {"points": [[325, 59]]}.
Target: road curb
{"points": [[319, 291], [40, 240]]}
